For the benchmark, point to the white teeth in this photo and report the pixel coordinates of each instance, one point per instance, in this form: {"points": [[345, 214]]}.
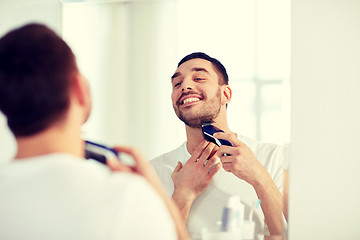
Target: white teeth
{"points": [[190, 100]]}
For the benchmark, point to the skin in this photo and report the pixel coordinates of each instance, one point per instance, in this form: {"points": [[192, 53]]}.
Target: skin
{"points": [[65, 136], [199, 78], [286, 194]]}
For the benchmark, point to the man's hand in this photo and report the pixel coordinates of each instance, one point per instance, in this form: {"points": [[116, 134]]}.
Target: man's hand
{"points": [[192, 179], [239, 159], [141, 166]]}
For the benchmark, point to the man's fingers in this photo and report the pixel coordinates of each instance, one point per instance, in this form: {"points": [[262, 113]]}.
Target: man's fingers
{"points": [[214, 151], [176, 170], [133, 152], [128, 150], [178, 167], [198, 151], [211, 161], [116, 165], [214, 169], [225, 152], [207, 153], [227, 167], [231, 137]]}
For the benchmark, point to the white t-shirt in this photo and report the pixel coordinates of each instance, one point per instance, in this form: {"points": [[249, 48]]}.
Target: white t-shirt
{"points": [[207, 209], [60, 196]]}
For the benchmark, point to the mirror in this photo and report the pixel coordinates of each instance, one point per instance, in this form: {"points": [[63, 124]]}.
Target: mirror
{"points": [[129, 49]]}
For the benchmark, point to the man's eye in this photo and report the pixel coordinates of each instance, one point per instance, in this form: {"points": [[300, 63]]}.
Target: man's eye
{"points": [[177, 84], [198, 79]]}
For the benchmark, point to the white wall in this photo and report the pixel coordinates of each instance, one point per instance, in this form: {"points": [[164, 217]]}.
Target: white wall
{"points": [[325, 162], [152, 124], [14, 13]]}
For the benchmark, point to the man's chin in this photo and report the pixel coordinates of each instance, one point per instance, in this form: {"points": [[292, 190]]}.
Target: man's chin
{"points": [[196, 122], [194, 119]]}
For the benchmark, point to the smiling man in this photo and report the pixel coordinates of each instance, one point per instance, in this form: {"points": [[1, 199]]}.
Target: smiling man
{"points": [[198, 182]]}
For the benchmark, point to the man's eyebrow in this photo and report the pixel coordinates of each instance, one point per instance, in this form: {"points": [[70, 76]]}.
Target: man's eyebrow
{"points": [[175, 75], [198, 69], [194, 69]]}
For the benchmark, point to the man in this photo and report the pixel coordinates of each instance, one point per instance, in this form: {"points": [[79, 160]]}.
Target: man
{"points": [[49, 191], [198, 183]]}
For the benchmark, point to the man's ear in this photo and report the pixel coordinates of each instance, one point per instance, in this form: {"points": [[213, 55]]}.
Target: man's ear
{"points": [[227, 94], [80, 94], [79, 88]]}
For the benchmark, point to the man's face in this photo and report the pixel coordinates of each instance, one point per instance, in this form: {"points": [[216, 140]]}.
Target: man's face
{"points": [[196, 93]]}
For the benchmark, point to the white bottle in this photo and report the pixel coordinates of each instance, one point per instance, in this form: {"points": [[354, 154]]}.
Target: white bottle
{"points": [[229, 221]]}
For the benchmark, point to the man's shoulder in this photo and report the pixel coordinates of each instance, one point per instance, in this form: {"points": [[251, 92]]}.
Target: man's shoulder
{"points": [[267, 152], [169, 157], [258, 146], [165, 164]]}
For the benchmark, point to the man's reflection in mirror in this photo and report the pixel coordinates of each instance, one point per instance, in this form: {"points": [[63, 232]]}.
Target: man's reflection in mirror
{"points": [[201, 176]]}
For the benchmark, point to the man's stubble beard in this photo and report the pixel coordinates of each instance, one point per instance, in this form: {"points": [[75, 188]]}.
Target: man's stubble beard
{"points": [[206, 114]]}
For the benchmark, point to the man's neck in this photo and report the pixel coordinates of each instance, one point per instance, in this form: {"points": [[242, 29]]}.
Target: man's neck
{"points": [[53, 140], [194, 135]]}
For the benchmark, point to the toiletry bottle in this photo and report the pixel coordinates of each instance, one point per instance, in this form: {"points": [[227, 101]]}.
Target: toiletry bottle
{"points": [[229, 221]]}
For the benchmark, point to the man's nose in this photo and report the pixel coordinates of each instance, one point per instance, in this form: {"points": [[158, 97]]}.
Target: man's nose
{"points": [[187, 88], [186, 85]]}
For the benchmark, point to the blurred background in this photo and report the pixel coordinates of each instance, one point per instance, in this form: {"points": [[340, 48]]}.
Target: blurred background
{"points": [[128, 51]]}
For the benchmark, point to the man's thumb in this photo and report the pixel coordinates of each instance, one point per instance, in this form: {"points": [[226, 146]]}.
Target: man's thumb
{"points": [[178, 167]]}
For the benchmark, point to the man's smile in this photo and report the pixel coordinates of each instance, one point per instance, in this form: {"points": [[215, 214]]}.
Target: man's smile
{"points": [[189, 100]]}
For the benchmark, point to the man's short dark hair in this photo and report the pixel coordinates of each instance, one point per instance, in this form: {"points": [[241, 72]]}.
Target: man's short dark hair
{"points": [[218, 65], [36, 66]]}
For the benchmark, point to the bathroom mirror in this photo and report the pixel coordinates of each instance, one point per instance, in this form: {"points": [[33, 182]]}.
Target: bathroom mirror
{"points": [[128, 51]]}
